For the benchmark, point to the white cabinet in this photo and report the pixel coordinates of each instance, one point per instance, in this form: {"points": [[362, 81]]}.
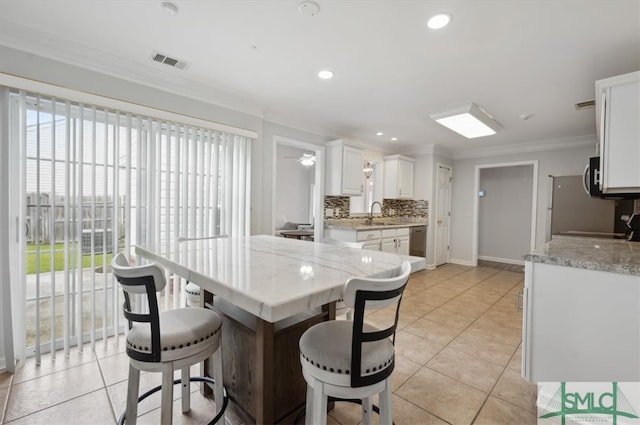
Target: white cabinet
{"points": [[395, 240], [617, 112], [344, 175], [387, 240], [580, 325], [370, 238], [398, 177]]}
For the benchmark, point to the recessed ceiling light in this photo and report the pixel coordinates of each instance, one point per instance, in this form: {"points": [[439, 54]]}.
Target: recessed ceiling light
{"points": [[393, 139], [325, 74], [379, 133], [169, 8], [439, 21]]}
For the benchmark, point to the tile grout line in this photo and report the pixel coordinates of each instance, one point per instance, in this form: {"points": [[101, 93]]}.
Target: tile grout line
{"points": [[459, 333], [106, 389], [6, 400], [52, 405]]}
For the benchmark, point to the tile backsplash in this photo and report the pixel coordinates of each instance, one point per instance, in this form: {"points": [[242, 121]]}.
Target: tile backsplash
{"points": [[390, 207]]}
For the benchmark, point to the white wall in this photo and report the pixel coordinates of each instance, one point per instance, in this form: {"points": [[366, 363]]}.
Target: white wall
{"points": [[504, 213], [570, 161], [293, 184]]}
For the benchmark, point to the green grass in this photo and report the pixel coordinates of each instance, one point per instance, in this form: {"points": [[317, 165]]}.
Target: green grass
{"points": [[45, 258]]}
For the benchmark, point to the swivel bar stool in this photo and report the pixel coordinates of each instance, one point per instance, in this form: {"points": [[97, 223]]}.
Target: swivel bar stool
{"points": [[351, 359], [166, 341]]}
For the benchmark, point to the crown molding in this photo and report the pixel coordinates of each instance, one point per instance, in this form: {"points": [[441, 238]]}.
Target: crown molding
{"points": [[431, 149], [27, 40], [527, 147]]}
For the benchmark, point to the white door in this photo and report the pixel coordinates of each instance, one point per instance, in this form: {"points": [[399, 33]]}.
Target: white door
{"points": [[443, 214]]}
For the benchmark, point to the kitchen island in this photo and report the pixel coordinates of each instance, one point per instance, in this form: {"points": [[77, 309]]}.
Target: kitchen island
{"points": [[269, 291], [581, 318]]}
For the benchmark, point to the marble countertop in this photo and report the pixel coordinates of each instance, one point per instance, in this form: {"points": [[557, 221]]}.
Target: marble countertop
{"points": [[616, 256], [270, 277], [378, 223]]}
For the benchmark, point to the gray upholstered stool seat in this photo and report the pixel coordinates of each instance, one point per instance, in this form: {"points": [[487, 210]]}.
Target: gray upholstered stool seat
{"points": [[327, 347], [184, 333]]}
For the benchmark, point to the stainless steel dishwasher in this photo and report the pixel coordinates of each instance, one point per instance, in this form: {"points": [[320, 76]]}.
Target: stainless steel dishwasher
{"points": [[418, 241]]}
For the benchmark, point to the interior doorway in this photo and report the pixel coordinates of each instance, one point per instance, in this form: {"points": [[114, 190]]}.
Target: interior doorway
{"points": [[313, 200], [505, 205], [443, 213]]}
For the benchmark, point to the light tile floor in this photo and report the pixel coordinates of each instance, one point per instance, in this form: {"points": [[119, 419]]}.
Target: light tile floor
{"points": [[457, 350]]}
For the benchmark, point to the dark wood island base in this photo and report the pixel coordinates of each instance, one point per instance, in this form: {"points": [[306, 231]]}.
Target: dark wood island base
{"points": [[261, 362]]}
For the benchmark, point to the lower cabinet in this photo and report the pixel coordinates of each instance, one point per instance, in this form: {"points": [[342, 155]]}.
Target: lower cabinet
{"points": [[395, 240], [580, 325], [387, 240], [370, 238]]}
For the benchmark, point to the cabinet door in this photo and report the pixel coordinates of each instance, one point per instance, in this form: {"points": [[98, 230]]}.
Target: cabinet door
{"points": [[388, 245], [405, 179], [352, 174], [403, 245], [621, 135], [373, 245]]}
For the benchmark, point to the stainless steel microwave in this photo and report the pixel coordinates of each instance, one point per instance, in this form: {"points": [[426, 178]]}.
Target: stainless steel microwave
{"points": [[592, 179]]}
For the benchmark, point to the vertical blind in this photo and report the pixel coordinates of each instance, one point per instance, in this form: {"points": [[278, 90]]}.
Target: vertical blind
{"points": [[95, 181]]}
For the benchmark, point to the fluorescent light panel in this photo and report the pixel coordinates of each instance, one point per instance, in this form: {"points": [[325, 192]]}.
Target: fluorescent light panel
{"points": [[469, 121]]}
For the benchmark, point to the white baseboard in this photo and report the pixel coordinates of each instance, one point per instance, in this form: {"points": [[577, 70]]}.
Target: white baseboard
{"points": [[461, 262], [501, 260]]}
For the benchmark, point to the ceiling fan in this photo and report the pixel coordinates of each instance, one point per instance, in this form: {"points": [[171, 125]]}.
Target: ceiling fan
{"points": [[306, 159]]}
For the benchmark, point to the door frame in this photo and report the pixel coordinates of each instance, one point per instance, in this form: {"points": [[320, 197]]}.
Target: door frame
{"points": [[436, 206], [318, 222], [476, 205]]}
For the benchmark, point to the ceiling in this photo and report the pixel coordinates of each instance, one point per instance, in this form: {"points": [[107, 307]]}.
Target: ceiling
{"points": [[512, 58]]}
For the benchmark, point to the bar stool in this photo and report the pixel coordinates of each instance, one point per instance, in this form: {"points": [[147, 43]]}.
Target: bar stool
{"points": [[192, 291], [351, 359], [166, 341]]}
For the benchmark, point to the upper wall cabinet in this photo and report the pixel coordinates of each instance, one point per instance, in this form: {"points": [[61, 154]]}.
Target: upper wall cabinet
{"points": [[398, 177], [344, 169], [618, 122]]}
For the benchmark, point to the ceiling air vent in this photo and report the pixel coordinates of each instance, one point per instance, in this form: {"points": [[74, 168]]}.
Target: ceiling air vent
{"points": [[585, 105], [167, 60]]}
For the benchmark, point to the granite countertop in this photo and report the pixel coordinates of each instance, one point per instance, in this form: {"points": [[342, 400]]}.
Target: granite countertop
{"points": [[378, 223], [616, 256]]}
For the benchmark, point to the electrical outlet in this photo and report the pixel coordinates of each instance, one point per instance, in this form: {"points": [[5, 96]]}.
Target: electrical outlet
{"points": [[328, 212]]}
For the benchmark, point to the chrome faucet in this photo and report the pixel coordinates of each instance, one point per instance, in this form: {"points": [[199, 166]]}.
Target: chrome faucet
{"points": [[370, 219]]}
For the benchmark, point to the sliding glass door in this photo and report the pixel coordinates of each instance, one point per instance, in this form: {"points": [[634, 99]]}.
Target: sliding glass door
{"points": [[87, 182]]}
